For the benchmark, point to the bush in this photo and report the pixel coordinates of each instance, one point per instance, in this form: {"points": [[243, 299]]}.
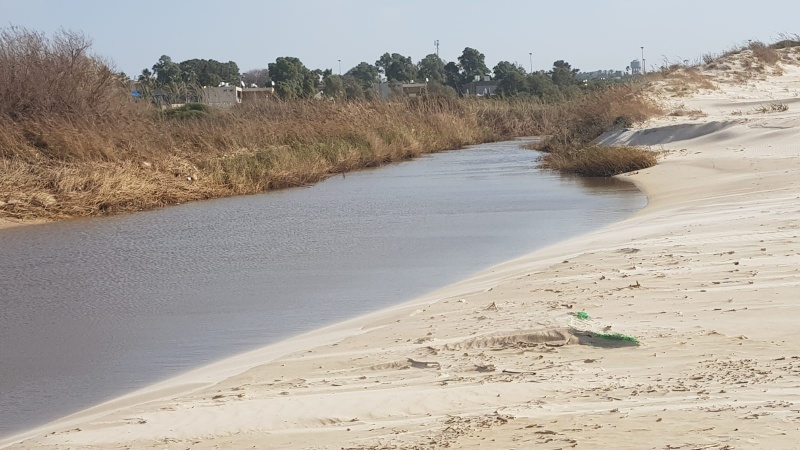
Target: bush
{"points": [[188, 111], [583, 120], [766, 54], [600, 161], [54, 76]]}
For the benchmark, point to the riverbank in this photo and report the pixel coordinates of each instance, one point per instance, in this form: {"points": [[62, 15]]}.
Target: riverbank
{"points": [[53, 169], [705, 277]]}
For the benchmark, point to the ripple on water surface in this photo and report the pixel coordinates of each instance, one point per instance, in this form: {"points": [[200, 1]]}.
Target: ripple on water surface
{"points": [[94, 308]]}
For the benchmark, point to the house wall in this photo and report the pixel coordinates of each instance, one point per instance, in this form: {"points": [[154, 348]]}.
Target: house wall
{"points": [[481, 88], [222, 96]]}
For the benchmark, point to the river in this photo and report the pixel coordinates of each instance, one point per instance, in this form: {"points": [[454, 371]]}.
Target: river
{"points": [[95, 308]]}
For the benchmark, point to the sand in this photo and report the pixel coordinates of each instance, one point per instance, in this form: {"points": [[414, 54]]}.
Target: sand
{"points": [[4, 223], [706, 277]]}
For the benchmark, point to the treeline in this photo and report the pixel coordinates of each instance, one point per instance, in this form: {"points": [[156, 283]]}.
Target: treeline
{"points": [[293, 80]]}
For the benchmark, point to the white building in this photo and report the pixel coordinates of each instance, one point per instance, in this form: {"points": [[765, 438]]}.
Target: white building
{"points": [[223, 96]]}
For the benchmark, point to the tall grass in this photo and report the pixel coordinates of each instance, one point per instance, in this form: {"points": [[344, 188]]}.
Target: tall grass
{"points": [[571, 147]]}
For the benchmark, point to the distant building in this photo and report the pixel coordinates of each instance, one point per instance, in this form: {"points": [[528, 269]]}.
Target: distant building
{"points": [[480, 87], [636, 67], [386, 89], [257, 93], [415, 89], [223, 96]]}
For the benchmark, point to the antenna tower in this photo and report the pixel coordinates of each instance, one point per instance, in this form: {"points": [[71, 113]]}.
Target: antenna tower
{"points": [[436, 44]]}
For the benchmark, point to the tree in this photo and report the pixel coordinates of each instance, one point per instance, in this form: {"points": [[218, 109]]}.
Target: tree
{"points": [[396, 67], [209, 72], [511, 78], [365, 73], [563, 74], [541, 85], [166, 71], [354, 88], [473, 63], [453, 76], [333, 86], [436, 89], [259, 77], [432, 68], [292, 78]]}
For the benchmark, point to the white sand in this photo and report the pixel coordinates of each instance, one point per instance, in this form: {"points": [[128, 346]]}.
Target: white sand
{"points": [[707, 277]]}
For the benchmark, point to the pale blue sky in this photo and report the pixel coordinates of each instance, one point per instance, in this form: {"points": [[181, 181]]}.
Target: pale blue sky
{"points": [[589, 34]]}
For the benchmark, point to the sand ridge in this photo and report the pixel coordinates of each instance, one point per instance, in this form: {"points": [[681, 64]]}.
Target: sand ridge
{"points": [[705, 277]]}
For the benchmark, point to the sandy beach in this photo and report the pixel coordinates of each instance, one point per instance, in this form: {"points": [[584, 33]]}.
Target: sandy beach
{"points": [[705, 277]]}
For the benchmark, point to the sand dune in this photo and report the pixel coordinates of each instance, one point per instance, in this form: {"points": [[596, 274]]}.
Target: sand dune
{"points": [[705, 277]]}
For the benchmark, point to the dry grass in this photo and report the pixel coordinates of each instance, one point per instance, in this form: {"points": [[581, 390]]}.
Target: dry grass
{"points": [[570, 148], [764, 53], [682, 111], [600, 161], [581, 121], [120, 164], [683, 81], [771, 108]]}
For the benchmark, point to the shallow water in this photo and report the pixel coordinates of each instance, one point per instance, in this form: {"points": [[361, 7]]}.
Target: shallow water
{"points": [[95, 308]]}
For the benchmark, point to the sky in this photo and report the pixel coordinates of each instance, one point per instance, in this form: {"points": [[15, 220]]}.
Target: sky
{"points": [[590, 35]]}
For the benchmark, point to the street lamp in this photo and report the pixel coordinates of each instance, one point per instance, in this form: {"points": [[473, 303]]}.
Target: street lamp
{"points": [[530, 55], [340, 67], [644, 66]]}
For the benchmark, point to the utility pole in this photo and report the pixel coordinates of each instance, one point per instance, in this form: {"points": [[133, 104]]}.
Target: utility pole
{"points": [[644, 66], [436, 44], [340, 67], [530, 55]]}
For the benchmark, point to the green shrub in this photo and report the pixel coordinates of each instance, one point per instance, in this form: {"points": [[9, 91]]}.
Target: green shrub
{"points": [[188, 111]]}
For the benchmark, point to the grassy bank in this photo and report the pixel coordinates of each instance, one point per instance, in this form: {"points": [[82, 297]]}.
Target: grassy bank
{"points": [[74, 143], [63, 167], [570, 147]]}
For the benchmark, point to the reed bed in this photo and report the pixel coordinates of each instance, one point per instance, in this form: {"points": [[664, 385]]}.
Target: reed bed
{"points": [[53, 166], [571, 147]]}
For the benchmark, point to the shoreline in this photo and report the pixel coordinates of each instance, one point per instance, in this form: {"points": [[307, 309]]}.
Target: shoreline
{"points": [[4, 223], [704, 276]]}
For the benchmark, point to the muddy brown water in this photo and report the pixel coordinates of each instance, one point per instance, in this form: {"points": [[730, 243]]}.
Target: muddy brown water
{"points": [[93, 309]]}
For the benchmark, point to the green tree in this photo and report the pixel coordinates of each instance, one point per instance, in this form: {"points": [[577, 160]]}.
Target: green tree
{"points": [[166, 71], [259, 77], [439, 90], [473, 63], [333, 86], [396, 67], [563, 74], [209, 72], [365, 73], [432, 68], [292, 78], [354, 88], [541, 85], [453, 76], [510, 77]]}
